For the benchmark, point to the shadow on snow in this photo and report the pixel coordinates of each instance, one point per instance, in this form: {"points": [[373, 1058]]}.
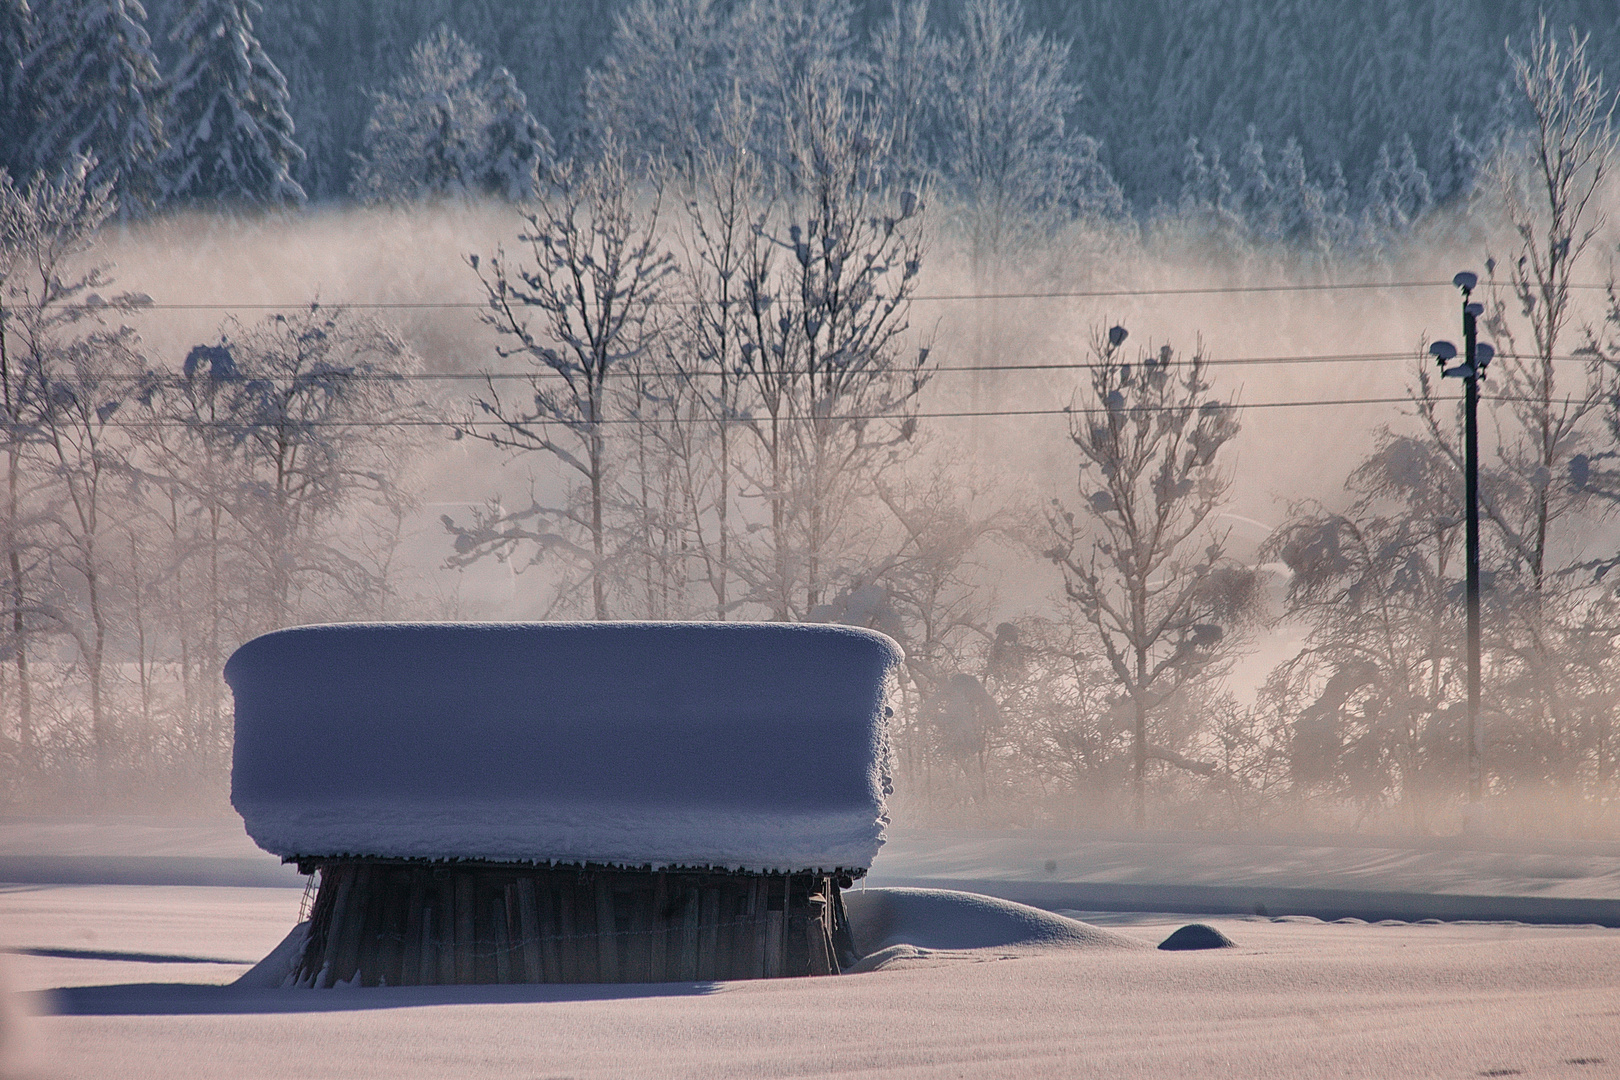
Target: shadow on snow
{"points": [[183, 999]]}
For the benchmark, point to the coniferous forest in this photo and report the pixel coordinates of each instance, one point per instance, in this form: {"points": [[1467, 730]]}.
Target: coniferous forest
{"points": [[1081, 347]]}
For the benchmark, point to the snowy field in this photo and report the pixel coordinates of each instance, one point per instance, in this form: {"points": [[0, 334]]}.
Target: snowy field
{"points": [[128, 981], [131, 980]]}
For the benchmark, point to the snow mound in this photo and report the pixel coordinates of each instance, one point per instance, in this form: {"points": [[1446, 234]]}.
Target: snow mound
{"points": [[275, 971], [891, 921], [748, 746], [1198, 936]]}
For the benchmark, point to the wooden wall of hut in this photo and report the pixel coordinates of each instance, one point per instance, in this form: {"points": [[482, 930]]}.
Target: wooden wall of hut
{"points": [[377, 923]]}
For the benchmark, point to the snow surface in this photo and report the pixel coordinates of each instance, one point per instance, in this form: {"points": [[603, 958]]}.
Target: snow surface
{"points": [[1499, 867], [751, 746], [1292, 999]]}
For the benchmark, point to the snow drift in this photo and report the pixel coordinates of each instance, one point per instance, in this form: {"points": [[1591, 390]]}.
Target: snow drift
{"points": [[749, 746], [930, 919]]}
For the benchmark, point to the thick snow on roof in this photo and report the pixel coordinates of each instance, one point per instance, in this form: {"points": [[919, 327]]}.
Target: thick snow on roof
{"points": [[750, 746]]}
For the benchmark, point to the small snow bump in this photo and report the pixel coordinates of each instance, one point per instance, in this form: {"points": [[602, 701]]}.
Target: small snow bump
{"points": [[1196, 936]]}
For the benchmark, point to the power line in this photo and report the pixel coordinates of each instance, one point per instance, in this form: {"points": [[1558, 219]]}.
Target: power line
{"points": [[1058, 294], [1099, 410], [170, 378]]}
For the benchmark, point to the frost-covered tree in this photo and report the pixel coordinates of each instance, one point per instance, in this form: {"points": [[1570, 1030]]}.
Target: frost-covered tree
{"points": [[426, 135], [230, 139], [677, 65], [781, 46], [1550, 178], [1398, 193], [1146, 571], [16, 114], [910, 58], [1546, 416], [96, 93], [518, 149], [1256, 194], [658, 87], [1011, 158]]}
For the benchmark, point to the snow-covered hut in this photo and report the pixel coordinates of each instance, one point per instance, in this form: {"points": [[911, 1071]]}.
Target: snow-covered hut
{"points": [[559, 802]]}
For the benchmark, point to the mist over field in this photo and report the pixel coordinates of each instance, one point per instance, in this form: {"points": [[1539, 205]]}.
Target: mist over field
{"points": [[810, 312]]}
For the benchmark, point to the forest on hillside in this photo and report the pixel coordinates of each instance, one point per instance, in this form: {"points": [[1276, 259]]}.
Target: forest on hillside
{"points": [[1426, 85], [935, 319]]}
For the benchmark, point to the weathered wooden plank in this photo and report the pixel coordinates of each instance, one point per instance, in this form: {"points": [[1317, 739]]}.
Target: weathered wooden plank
{"points": [[689, 935], [607, 934], [466, 927], [550, 964], [709, 939], [534, 964], [635, 951], [368, 943], [754, 960], [775, 923], [733, 924], [573, 969], [503, 941], [391, 946], [446, 933], [348, 955], [342, 877], [661, 922], [427, 969], [320, 920], [816, 937], [410, 962]]}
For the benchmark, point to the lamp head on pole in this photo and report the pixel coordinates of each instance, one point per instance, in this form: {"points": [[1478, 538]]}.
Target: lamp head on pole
{"points": [[1466, 280], [1442, 351]]}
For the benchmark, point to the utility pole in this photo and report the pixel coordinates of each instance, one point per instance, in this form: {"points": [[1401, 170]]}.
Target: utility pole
{"points": [[1476, 358]]}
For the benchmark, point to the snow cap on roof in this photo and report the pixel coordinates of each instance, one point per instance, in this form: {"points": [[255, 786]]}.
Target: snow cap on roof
{"points": [[757, 746]]}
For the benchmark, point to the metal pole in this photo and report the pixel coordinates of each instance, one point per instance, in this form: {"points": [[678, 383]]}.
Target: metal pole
{"points": [[1471, 460]]}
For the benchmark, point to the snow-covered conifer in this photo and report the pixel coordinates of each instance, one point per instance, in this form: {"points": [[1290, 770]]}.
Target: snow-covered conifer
{"points": [[1417, 196], [656, 88], [230, 138], [517, 146], [911, 58], [1398, 191], [1011, 158], [95, 85], [1301, 213], [1206, 190], [15, 115], [1256, 194], [426, 135], [1382, 209], [1458, 163]]}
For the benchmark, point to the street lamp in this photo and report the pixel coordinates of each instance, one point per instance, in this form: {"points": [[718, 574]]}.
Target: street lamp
{"points": [[1477, 357]]}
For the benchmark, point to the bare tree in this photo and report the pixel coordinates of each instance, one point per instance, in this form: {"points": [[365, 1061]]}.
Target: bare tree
{"points": [[1160, 607], [597, 274], [66, 369], [324, 421], [824, 314], [704, 346], [1548, 188], [1535, 493]]}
